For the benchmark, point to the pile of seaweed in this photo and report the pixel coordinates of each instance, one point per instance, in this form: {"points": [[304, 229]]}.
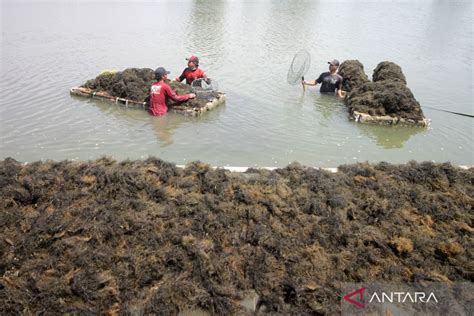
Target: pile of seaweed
{"points": [[141, 237], [386, 94], [134, 84], [353, 74], [387, 70]]}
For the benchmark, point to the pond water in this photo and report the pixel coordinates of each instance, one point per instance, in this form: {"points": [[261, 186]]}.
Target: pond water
{"points": [[247, 47]]}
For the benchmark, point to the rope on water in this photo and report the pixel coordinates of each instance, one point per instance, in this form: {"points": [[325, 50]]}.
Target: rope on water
{"points": [[452, 112]]}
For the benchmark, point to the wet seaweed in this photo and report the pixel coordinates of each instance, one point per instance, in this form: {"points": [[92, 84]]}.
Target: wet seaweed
{"points": [[144, 237], [386, 95], [134, 84], [387, 70], [353, 74]]}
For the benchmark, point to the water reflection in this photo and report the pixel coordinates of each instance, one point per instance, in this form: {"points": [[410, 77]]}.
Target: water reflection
{"points": [[389, 137], [328, 104], [165, 126], [300, 100], [288, 25], [247, 47], [205, 32], [445, 17], [119, 111]]}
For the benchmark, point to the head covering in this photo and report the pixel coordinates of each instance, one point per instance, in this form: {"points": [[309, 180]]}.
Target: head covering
{"points": [[334, 62], [160, 72], [193, 59]]}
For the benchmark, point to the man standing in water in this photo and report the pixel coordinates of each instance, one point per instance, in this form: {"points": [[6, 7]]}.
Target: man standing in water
{"points": [[160, 92], [331, 81], [192, 72]]}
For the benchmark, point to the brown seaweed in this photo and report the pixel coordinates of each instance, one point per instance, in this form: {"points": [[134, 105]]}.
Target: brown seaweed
{"points": [[145, 237]]}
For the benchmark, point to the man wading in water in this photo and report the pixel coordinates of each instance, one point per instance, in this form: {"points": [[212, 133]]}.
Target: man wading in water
{"points": [[160, 91], [192, 72], [331, 81]]}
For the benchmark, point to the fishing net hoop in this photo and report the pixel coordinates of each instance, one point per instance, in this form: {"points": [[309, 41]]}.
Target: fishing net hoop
{"points": [[299, 67]]}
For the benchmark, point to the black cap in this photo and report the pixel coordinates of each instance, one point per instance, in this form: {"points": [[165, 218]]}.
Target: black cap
{"points": [[334, 62], [160, 72]]}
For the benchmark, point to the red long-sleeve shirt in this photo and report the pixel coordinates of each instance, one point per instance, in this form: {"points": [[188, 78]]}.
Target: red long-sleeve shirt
{"points": [[159, 93], [190, 75]]}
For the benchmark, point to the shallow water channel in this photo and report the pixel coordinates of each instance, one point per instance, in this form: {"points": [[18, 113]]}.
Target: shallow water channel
{"points": [[246, 46]]}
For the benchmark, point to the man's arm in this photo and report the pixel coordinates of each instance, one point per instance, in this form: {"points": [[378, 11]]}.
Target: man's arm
{"points": [[205, 77], [182, 77], [310, 82], [339, 89], [178, 98], [313, 82]]}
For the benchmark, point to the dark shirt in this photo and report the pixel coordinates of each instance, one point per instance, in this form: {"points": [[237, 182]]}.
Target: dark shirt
{"points": [[329, 83]]}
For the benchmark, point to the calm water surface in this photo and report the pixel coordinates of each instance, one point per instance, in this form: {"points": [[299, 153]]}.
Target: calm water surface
{"points": [[247, 46]]}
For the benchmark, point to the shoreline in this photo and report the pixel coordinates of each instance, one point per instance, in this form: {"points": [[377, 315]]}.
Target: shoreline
{"points": [[243, 169]]}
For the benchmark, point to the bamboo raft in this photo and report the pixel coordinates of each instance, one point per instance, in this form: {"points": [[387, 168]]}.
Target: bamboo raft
{"points": [[386, 120], [181, 109]]}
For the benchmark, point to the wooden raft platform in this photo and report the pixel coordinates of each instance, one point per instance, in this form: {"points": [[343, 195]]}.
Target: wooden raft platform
{"points": [[181, 109], [386, 120]]}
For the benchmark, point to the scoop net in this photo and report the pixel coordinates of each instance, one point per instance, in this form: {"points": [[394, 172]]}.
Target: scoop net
{"points": [[204, 85], [299, 67], [204, 88]]}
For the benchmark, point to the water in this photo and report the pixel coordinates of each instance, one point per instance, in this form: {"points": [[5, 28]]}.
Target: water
{"points": [[247, 46]]}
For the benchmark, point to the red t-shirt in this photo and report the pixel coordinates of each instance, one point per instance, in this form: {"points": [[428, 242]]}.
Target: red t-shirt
{"points": [[190, 75], [159, 93]]}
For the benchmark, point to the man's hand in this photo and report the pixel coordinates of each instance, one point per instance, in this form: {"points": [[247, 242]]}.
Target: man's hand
{"points": [[191, 95]]}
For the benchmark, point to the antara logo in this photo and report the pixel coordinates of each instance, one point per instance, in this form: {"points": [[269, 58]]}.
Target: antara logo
{"points": [[390, 297], [359, 292]]}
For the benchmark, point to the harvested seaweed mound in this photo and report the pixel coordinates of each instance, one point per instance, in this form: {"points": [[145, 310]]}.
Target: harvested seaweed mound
{"points": [[142, 237], [202, 97], [353, 74], [135, 83], [132, 83], [385, 100], [387, 70], [392, 98]]}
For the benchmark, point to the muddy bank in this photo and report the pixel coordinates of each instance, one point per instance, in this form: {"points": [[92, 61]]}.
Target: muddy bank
{"points": [[353, 73], [147, 237], [385, 97], [135, 83]]}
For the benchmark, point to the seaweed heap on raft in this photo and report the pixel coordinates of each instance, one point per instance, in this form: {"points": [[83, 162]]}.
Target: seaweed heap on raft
{"points": [[134, 84], [146, 237], [386, 95], [353, 73]]}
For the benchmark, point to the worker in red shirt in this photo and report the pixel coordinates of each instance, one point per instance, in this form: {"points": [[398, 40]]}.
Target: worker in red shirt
{"points": [[192, 72], [160, 91]]}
